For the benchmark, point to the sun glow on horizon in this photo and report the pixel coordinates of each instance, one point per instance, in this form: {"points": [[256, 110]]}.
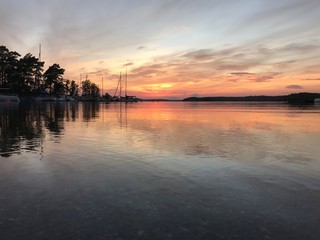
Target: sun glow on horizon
{"points": [[174, 49]]}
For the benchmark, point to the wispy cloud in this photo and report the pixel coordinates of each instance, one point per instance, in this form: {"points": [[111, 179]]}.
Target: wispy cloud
{"points": [[242, 73], [176, 46], [262, 77], [202, 54], [294, 87], [128, 64], [312, 79]]}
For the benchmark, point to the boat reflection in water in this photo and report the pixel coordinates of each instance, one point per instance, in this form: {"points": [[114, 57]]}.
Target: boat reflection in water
{"points": [[159, 170]]}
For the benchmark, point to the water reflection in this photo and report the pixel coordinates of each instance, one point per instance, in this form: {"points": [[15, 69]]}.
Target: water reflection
{"points": [[242, 132], [21, 128], [25, 125], [90, 111], [123, 115], [236, 131], [159, 171]]}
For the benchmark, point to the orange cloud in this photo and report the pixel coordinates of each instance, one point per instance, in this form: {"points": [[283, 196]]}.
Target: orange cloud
{"points": [[232, 71]]}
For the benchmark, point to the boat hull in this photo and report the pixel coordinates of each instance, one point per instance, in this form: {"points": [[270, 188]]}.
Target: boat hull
{"points": [[9, 99]]}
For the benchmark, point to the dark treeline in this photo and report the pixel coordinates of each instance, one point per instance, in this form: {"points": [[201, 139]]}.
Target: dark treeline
{"points": [[292, 98], [246, 98], [26, 76]]}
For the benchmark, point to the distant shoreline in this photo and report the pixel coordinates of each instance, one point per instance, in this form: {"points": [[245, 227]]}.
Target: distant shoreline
{"points": [[298, 98], [294, 98]]}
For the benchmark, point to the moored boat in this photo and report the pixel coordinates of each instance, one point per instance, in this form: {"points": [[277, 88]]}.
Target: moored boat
{"points": [[4, 98], [118, 97], [7, 96]]}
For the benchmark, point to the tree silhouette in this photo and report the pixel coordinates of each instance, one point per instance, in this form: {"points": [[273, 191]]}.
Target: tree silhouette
{"points": [[28, 75], [8, 66], [53, 79], [90, 89], [73, 90]]}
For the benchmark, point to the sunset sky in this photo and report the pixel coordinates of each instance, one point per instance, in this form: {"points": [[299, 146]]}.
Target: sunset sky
{"points": [[173, 48]]}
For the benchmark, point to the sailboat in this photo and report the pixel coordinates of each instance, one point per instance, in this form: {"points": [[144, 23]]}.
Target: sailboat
{"points": [[117, 97]]}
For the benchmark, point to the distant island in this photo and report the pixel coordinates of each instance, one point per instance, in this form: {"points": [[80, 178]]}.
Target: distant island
{"points": [[294, 98]]}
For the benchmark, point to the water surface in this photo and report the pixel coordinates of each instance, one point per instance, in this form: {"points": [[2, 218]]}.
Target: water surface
{"points": [[159, 170]]}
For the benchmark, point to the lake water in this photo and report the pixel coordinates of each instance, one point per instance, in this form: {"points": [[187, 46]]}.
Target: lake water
{"points": [[159, 170]]}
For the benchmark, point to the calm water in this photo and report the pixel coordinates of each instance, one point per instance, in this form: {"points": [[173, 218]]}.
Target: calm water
{"points": [[159, 171]]}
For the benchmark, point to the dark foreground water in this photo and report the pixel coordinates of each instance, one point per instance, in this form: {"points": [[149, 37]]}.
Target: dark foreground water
{"points": [[159, 171]]}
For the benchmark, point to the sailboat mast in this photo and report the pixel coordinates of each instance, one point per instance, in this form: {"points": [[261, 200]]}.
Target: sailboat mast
{"points": [[120, 94], [126, 83], [102, 86], [40, 52], [80, 82], [37, 77], [115, 93]]}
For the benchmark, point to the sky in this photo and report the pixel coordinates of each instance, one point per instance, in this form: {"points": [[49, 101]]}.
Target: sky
{"points": [[173, 48]]}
